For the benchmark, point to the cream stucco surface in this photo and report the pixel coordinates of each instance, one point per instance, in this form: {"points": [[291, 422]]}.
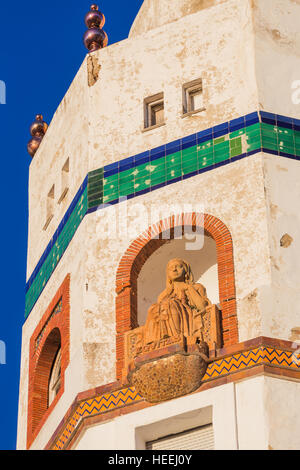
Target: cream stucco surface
{"points": [[281, 402], [155, 13], [277, 45], [280, 300]]}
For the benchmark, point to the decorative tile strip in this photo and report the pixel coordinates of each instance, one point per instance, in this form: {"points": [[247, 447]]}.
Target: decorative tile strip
{"points": [[55, 250], [164, 165], [94, 406], [95, 188], [262, 355]]}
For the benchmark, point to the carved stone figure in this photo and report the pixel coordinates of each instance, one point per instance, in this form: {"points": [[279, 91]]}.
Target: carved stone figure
{"points": [[169, 355], [179, 308]]}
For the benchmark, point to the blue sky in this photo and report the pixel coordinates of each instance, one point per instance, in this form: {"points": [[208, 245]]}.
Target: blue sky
{"points": [[41, 50]]}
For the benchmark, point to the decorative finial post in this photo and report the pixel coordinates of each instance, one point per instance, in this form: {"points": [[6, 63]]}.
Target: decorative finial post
{"points": [[37, 129], [95, 38]]}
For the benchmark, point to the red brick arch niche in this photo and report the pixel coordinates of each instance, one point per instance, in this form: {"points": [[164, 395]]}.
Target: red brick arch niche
{"points": [[145, 245], [51, 335]]}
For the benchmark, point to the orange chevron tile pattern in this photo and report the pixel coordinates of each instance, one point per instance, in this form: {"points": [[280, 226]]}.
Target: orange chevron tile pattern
{"points": [[254, 357], [94, 406], [234, 363], [277, 357]]}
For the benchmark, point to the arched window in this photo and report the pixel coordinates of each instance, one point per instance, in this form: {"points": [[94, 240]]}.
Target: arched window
{"points": [[47, 369], [48, 360], [55, 378]]}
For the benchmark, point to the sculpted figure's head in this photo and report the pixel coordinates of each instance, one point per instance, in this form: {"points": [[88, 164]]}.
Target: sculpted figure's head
{"points": [[179, 270]]}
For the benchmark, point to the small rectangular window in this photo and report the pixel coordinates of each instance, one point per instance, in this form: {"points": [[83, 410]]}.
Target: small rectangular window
{"points": [[154, 111], [200, 438], [64, 180], [193, 97], [49, 208]]}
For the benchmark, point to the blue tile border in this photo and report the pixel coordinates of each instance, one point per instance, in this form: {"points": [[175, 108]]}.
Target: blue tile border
{"points": [[57, 233]]}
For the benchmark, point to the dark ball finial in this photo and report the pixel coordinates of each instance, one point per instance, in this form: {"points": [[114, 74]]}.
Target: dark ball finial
{"points": [[95, 38], [37, 129]]}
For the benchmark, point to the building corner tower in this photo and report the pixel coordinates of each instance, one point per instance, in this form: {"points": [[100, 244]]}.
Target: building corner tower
{"points": [[163, 250]]}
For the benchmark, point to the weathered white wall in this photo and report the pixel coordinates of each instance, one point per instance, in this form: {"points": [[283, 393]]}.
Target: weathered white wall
{"points": [[267, 411], [282, 405], [280, 300], [277, 45], [251, 416], [155, 13]]}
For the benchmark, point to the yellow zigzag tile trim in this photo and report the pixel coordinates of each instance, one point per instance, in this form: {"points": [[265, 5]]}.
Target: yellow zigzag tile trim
{"points": [[93, 406], [282, 358], [234, 363], [243, 360]]}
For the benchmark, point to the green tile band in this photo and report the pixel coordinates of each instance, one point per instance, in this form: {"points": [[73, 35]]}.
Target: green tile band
{"points": [[56, 253], [180, 163], [95, 188]]}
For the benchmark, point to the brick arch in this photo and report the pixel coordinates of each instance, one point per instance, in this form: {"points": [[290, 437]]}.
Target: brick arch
{"points": [[42, 375], [144, 246], [52, 332]]}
